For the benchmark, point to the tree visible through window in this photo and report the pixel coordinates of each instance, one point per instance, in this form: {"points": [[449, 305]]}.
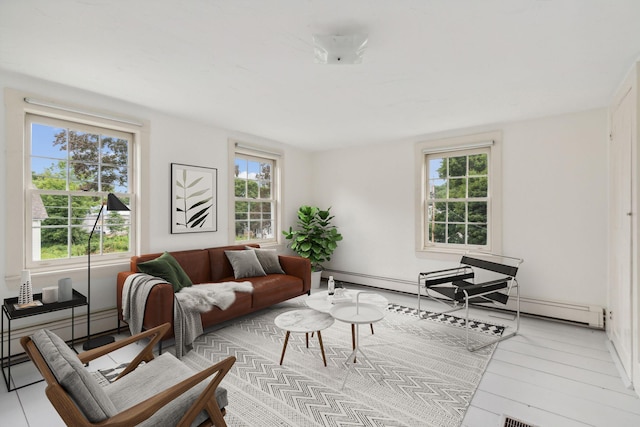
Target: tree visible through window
{"points": [[457, 199], [255, 203], [73, 168]]}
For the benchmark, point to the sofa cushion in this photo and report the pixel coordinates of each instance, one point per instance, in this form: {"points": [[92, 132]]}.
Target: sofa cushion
{"points": [[166, 267], [268, 259], [219, 263], [152, 378], [73, 377], [245, 264], [274, 288]]}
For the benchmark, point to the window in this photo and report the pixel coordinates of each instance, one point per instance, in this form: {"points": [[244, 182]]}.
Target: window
{"points": [[256, 192], [460, 183], [458, 199], [63, 160], [71, 169]]}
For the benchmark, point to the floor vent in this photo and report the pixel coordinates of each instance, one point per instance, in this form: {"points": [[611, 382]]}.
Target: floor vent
{"points": [[508, 421]]}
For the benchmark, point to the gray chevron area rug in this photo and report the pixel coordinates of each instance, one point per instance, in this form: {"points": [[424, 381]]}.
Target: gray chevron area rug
{"points": [[428, 376]]}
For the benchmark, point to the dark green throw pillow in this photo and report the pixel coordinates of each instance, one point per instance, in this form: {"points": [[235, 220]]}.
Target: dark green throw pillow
{"points": [[183, 277], [168, 268]]}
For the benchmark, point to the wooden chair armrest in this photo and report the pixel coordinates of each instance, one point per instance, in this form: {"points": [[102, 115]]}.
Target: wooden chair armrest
{"points": [[145, 409], [206, 400], [146, 354]]}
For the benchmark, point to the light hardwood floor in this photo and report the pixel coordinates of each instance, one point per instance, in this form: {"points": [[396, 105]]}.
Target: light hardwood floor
{"points": [[550, 375]]}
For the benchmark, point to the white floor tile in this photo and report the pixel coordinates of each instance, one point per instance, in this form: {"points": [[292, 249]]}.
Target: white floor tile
{"points": [[11, 409], [37, 408]]}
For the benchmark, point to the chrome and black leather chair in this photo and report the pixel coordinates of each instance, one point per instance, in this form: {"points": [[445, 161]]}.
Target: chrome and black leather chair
{"points": [[480, 279]]}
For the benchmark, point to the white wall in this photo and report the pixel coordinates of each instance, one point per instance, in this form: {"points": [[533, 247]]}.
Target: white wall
{"points": [[554, 207], [175, 140], [172, 140], [554, 203]]}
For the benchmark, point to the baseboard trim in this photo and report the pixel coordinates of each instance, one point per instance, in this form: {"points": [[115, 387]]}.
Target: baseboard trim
{"points": [[618, 364], [590, 315]]}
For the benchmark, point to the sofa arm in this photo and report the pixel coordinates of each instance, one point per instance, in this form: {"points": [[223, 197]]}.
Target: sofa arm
{"points": [[159, 307], [298, 267]]}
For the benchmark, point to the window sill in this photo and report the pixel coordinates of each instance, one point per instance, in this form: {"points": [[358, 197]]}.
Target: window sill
{"points": [[451, 251], [49, 275]]}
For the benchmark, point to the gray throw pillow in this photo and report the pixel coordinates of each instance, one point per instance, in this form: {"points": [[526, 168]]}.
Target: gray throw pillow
{"points": [[73, 377], [244, 264], [268, 260]]}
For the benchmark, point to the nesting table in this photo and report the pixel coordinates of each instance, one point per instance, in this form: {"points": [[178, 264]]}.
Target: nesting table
{"points": [[357, 313], [354, 307], [305, 320], [322, 302]]}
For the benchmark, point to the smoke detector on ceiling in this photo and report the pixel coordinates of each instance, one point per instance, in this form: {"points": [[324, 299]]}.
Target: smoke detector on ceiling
{"points": [[339, 49]]}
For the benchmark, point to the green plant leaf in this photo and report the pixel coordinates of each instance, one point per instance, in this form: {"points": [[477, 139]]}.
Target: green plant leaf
{"points": [[315, 237], [306, 246]]}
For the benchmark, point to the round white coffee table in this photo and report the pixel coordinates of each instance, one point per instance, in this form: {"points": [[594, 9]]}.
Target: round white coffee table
{"points": [[305, 320], [322, 302], [357, 313]]}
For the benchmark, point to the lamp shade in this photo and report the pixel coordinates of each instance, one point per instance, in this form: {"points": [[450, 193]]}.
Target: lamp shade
{"points": [[115, 204]]}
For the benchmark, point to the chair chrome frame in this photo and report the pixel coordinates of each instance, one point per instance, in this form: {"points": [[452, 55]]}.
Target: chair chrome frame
{"points": [[454, 285]]}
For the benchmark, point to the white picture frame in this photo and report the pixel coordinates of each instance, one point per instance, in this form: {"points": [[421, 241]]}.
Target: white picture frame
{"points": [[194, 194]]}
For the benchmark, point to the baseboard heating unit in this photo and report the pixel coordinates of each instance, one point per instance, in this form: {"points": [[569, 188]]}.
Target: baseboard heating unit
{"points": [[590, 315]]}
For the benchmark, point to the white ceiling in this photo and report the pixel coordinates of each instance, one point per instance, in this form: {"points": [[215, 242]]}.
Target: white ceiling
{"points": [[248, 65]]}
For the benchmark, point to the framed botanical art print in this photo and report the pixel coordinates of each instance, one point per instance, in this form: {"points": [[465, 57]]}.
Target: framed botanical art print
{"points": [[194, 195]]}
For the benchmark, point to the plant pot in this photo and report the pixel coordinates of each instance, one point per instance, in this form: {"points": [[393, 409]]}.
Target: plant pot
{"points": [[315, 279]]}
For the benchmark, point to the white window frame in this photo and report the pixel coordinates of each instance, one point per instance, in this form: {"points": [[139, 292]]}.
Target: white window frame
{"points": [[31, 191], [257, 152], [18, 200], [490, 142]]}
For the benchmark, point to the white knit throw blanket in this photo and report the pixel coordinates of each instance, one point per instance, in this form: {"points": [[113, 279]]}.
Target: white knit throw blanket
{"points": [[189, 302], [187, 305], [203, 297]]}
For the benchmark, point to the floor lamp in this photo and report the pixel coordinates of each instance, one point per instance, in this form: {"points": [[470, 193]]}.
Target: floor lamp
{"points": [[113, 204]]}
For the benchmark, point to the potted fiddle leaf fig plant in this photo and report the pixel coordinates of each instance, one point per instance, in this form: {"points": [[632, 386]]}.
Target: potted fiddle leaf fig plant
{"points": [[316, 238]]}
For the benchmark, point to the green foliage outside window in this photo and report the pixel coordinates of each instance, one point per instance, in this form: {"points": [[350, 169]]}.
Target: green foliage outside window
{"points": [[64, 162], [457, 200], [254, 204]]}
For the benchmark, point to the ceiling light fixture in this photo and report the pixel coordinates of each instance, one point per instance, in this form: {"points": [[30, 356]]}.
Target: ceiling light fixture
{"points": [[339, 49]]}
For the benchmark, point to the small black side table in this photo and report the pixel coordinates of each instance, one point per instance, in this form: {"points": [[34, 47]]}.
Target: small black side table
{"points": [[12, 313]]}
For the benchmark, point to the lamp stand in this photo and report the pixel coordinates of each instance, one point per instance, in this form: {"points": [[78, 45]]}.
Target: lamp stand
{"points": [[102, 340]]}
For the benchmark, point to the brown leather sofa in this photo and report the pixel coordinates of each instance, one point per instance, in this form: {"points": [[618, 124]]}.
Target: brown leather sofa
{"points": [[212, 266]]}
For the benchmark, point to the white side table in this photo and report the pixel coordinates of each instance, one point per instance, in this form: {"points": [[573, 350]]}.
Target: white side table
{"points": [[357, 313], [305, 320], [322, 302]]}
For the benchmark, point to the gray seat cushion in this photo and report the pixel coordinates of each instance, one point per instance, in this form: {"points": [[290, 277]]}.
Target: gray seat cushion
{"points": [[152, 378], [73, 377]]}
